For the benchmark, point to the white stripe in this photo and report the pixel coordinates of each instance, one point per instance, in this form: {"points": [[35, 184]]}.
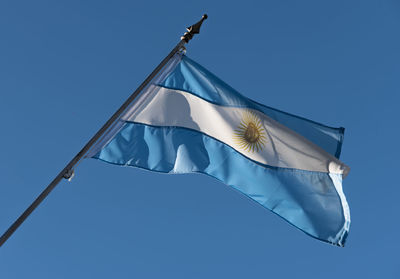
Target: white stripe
{"points": [[116, 127], [283, 147]]}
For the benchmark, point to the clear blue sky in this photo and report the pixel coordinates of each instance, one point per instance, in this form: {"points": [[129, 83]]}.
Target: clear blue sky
{"points": [[66, 66]]}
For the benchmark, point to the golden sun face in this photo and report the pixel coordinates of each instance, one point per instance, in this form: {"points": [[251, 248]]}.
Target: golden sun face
{"points": [[250, 135]]}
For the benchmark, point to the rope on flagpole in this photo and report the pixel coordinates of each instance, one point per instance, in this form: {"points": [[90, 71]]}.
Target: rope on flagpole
{"points": [[68, 170]]}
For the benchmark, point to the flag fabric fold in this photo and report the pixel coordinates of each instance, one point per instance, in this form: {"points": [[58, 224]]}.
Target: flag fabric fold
{"points": [[189, 121]]}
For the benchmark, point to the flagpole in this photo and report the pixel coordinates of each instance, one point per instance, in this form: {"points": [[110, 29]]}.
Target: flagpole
{"points": [[68, 169]]}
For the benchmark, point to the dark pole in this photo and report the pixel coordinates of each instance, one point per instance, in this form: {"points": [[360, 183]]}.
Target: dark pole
{"points": [[67, 171]]}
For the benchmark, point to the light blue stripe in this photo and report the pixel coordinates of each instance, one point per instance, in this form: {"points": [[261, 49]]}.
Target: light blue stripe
{"points": [[193, 78], [308, 200]]}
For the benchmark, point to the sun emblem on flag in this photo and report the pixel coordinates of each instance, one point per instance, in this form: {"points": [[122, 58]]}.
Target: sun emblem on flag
{"points": [[250, 134]]}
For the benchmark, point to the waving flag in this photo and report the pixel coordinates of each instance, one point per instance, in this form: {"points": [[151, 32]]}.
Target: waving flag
{"points": [[189, 121]]}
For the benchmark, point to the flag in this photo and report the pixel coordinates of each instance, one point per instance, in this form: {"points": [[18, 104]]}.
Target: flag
{"points": [[189, 121]]}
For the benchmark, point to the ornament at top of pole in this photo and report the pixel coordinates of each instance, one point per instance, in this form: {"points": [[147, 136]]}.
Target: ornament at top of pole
{"points": [[194, 29]]}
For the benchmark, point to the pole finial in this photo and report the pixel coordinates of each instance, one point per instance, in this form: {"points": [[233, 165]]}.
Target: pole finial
{"points": [[194, 29]]}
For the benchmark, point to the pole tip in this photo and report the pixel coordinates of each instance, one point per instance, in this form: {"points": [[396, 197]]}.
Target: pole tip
{"points": [[194, 29]]}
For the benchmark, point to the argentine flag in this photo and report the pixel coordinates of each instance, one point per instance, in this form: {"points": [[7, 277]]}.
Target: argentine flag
{"points": [[189, 121]]}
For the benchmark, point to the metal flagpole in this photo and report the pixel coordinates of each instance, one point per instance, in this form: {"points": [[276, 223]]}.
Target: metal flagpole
{"points": [[68, 170]]}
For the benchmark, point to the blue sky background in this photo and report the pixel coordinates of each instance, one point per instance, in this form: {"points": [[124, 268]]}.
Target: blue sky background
{"points": [[66, 66]]}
